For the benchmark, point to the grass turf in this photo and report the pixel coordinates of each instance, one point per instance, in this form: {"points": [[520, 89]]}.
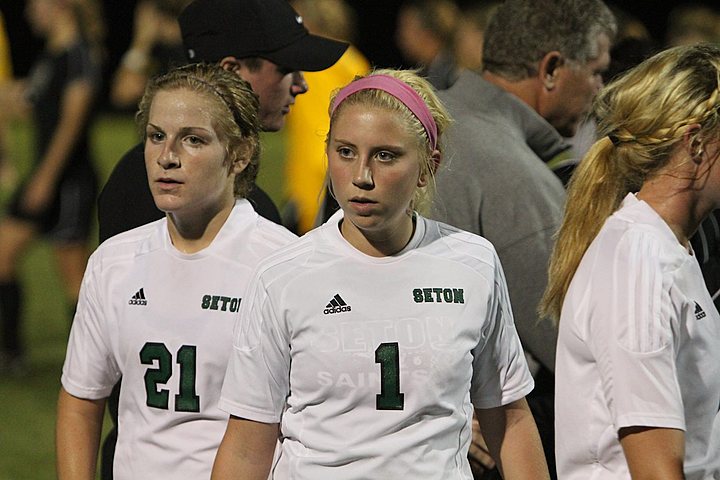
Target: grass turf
{"points": [[27, 417]]}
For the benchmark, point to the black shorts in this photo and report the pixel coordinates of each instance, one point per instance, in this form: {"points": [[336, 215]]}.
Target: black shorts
{"points": [[68, 217]]}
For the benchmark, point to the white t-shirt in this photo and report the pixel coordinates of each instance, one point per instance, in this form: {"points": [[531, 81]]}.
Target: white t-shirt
{"points": [[639, 345], [372, 363], [163, 321]]}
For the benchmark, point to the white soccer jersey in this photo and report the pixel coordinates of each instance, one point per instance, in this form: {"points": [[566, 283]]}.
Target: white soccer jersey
{"points": [[372, 363], [639, 345], [163, 320]]}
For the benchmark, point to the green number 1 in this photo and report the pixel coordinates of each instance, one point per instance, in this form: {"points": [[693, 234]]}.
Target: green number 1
{"points": [[186, 400], [389, 398]]}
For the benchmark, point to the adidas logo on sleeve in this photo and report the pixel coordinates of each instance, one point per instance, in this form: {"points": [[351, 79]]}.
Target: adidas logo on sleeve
{"points": [[336, 305], [138, 298]]}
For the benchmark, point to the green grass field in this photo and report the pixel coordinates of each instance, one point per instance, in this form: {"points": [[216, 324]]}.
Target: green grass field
{"points": [[27, 416]]}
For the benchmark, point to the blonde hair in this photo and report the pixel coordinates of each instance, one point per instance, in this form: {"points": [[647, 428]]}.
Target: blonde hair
{"points": [[642, 116], [381, 99], [236, 107]]}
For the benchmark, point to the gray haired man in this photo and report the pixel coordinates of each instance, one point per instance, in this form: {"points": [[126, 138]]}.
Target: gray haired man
{"points": [[543, 61]]}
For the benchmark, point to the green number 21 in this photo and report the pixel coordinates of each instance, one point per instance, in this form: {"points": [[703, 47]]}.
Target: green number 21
{"points": [[389, 398], [186, 400]]}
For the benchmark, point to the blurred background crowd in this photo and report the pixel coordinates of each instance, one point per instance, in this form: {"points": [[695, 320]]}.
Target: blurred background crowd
{"points": [[141, 37], [375, 27]]}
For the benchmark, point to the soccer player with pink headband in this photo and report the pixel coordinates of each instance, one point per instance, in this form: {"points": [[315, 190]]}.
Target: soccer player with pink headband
{"points": [[366, 345]]}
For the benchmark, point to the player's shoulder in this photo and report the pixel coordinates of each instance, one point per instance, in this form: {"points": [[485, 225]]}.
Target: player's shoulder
{"points": [[130, 237], [128, 244], [457, 245], [638, 235], [290, 259], [259, 236], [292, 253], [270, 232], [454, 237]]}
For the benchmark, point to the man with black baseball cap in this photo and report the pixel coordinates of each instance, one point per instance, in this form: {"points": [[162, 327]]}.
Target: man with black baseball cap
{"points": [[214, 29], [265, 43]]}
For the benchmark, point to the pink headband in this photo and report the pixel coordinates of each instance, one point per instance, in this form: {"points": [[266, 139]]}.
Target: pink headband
{"points": [[398, 89]]}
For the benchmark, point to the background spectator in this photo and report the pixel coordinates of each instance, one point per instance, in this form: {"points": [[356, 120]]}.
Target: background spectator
{"points": [[155, 47], [308, 122], [424, 33], [470, 33], [56, 199]]}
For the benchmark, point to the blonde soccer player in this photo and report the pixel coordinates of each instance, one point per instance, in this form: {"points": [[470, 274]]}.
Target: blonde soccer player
{"points": [[638, 360], [367, 344]]}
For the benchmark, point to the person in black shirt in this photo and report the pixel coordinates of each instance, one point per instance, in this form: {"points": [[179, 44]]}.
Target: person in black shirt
{"points": [[57, 197]]}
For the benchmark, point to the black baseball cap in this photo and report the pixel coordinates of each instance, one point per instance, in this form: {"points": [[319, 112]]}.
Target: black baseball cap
{"points": [[270, 29]]}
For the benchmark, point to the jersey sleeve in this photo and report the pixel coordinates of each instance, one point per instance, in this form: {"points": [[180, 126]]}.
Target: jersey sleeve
{"points": [[500, 371], [631, 337], [257, 379], [90, 370], [82, 66]]}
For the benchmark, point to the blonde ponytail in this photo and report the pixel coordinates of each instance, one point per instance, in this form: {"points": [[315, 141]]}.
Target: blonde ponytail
{"points": [[595, 192], [642, 116]]}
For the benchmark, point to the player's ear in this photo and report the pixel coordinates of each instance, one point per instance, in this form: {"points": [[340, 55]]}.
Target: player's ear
{"points": [[239, 158], [433, 164], [693, 143], [548, 69], [230, 64]]}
